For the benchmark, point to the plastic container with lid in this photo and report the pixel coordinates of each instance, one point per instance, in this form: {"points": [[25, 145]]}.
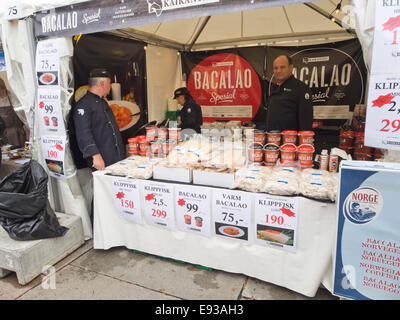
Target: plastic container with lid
{"points": [[133, 146], [306, 137], [151, 132], [162, 133], [256, 152], [288, 153], [289, 136], [155, 146], [271, 154], [306, 155], [168, 145], [174, 133], [274, 137], [259, 136]]}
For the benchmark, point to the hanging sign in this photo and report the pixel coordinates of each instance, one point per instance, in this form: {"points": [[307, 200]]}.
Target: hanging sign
{"points": [[276, 221], [193, 209], [232, 214], [127, 199], [53, 148], [158, 203], [47, 63], [382, 127], [386, 47], [49, 111], [12, 9], [367, 247]]}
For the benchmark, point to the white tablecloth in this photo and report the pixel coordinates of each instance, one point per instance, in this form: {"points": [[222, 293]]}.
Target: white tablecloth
{"points": [[302, 271]]}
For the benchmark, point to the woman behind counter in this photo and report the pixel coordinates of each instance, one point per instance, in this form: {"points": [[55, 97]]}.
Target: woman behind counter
{"points": [[191, 115], [14, 132]]}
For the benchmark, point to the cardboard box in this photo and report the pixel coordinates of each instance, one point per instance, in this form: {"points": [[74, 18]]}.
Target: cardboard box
{"points": [[214, 179], [172, 174]]}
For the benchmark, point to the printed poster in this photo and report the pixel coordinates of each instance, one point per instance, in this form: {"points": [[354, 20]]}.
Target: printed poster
{"points": [[53, 148], [276, 221], [367, 255], [382, 128], [49, 111]]}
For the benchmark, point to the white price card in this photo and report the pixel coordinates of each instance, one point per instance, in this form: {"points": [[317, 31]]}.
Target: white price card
{"points": [[232, 214], [193, 209], [158, 203], [276, 221], [53, 148], [126, 197], [49, 111], [47, 63], [382, 128], [12, 9], [386, 47]]}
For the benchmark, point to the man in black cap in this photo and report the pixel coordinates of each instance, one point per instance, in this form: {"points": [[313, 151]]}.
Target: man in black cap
{"points": [[97, 132], [290, 105], [191, 115]]}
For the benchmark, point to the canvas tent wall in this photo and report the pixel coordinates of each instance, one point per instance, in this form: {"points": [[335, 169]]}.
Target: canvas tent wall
{"points": [[217, 24]]}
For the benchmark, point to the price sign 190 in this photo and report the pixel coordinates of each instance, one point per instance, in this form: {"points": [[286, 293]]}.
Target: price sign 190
{"points": [[52, 154]]}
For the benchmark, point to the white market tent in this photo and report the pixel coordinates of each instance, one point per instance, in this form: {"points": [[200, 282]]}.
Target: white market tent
{"points": [[284, 22]]}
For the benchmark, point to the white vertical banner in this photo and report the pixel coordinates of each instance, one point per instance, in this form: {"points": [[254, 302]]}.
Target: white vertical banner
{"points": [[382, 127]]}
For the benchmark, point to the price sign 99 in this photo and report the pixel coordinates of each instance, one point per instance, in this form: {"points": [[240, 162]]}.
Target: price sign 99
{"points": [[192, 208]]}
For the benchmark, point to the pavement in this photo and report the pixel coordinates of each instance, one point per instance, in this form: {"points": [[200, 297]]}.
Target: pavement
{"points": [[124, 274]]}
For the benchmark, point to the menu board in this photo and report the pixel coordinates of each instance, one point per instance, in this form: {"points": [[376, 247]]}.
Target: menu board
{"points": [[53, 148], [158, 203], [193, 209], [276, 221], [232, 214], [47, 63], [127, 199]]}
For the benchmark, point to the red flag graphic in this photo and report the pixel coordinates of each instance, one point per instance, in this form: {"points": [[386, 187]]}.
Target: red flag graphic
{"points": [[120, 195], [149, 197], [59, 148], [288, 212], [392, 23], [181, 202], [41, 105], [382, 100]]}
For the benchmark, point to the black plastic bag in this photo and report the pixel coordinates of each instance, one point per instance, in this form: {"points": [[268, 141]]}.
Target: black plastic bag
{"points": [[25, 212]]}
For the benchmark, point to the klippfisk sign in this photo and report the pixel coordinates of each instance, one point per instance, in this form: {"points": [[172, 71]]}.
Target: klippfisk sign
{"points": [[103, 15]]}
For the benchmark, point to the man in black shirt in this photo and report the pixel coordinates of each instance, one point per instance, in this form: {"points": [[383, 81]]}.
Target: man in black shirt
{"points": [[191, 114], [97, 132], [289, 104]]}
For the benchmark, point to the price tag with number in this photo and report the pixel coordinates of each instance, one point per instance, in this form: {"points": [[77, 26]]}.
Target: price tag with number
{"points": [[158, 203], [192, 206], [232, 214], [382, 128], [47, 63], [127, 199], [276, 221], [53, 148], [49, 111], [13, 9]]}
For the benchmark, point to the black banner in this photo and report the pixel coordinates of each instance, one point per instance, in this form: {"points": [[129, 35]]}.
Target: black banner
{"points": [[335, 72], [103, 15]]}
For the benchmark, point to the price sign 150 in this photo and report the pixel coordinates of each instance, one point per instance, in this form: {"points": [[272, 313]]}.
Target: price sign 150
{"points": [[127, 204]]}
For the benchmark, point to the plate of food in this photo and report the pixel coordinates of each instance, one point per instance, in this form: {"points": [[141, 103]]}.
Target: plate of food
{"points": [[47, 78], [231, 231], [126, 113]]}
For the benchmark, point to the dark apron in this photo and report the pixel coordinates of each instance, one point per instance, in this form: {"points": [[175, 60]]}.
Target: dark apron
{"points": [[14, 133]]}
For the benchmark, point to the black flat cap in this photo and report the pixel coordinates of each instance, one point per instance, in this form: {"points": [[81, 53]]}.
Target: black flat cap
{"points": [[180, 92], [99, 73]]}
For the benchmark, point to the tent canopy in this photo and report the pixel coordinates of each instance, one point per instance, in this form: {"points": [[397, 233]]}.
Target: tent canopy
{"points": [[301, 23]]}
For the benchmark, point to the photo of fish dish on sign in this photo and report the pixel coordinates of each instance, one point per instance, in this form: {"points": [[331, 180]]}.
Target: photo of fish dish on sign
{"points": [[231, 231], [281, 236], [47, 78]]}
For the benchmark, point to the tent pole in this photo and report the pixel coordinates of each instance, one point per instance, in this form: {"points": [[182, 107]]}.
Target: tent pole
{"points": [[203, 25]]}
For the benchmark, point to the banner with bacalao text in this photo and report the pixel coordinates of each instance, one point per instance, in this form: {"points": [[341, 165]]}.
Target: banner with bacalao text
{"points": [[49, 112], [382, 129]]}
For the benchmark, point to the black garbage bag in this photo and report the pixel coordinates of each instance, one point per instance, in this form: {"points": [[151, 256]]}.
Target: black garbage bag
{"points": [[25, 212]]}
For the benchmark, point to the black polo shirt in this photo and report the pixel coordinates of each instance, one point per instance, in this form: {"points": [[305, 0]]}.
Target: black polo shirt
{"points": [[97, 131], [290, 106]]}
